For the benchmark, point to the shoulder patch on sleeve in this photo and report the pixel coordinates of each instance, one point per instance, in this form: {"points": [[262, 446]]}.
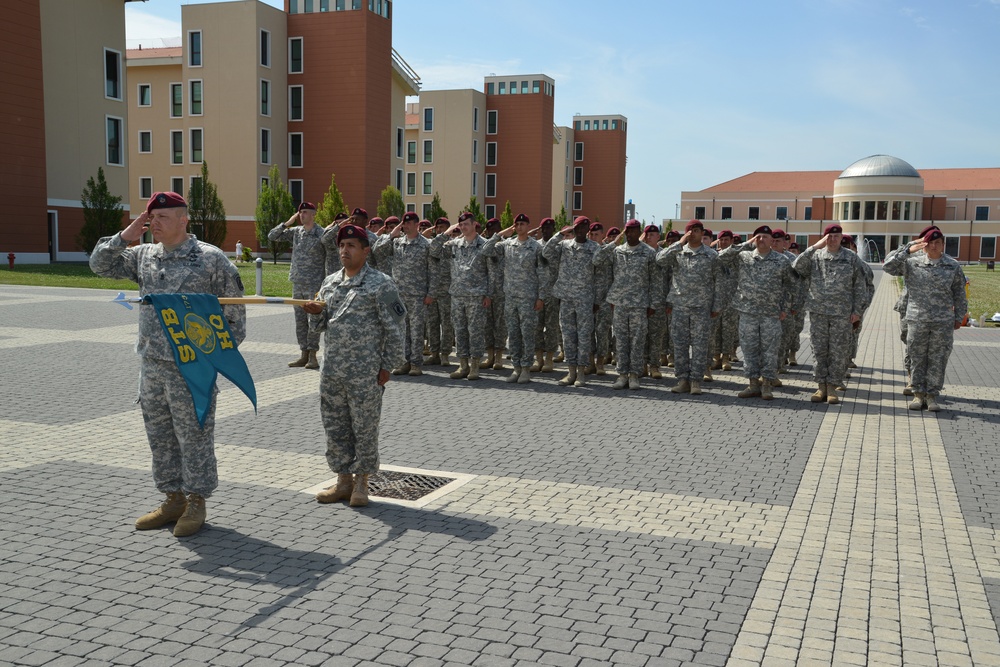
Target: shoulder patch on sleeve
{"points": [[390, 298]]}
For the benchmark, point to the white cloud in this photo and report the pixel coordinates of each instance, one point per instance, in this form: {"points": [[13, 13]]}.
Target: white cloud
{"points": [[151, 31]]}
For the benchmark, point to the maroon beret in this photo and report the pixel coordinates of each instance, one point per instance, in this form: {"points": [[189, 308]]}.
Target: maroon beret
{"points": [[778, 233], [793, 246], [673, 234], [596, 227], [694, 224], [465, 215], [927, 230], [393, 220], [411, 216], [633, 224], [763, 229], [307, 206], [165, 200], [360, 212], [442, 221], [614, 231], [425, 224], [340, 216], [352, 232], [493, 222], [933, 235], [726, 233], [376, 221], [581, 220], [709, 232], [521, 217], [833, 228], [547, 221], [651, 228]]}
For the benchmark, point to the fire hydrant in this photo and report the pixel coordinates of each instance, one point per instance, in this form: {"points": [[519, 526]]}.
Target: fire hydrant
{"points": [[10, 260]]}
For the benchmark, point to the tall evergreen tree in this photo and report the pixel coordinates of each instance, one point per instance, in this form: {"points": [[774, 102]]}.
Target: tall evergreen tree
{"points": [[206, 212], [390, 202], [274, 206], [507, 217], [436, 210], [332, 204], [102, 212], [474, 209], [562, 219]]}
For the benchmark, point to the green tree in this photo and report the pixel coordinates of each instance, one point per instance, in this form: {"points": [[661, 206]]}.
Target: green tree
{"points": [[332, 204], [562, 219], [507, 217], [390, 202], [474, 209], [102, 212], [274, 206], [206, 212], [436, 210]]}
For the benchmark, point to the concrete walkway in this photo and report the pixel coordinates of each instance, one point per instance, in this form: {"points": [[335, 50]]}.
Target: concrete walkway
{"points": [[593, 526]]}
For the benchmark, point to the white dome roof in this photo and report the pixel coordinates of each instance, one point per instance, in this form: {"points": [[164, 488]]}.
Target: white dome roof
{"points": [[880, 165]]}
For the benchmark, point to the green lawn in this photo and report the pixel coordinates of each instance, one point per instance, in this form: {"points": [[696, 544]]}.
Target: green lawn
{"points": [[984, 290], [79, 275]]}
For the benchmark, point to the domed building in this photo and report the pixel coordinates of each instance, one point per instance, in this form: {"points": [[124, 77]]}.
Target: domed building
{"points": [[882, 200]]}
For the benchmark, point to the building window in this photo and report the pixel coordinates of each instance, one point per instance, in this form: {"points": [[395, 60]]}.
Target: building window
{"points": [[308, 6], [897, 210], [577, 125], [727, 212], [988, 247], [426, 211], [869, 210], [195, 100], [604, 124], [399, 180], [475, 183], [951, 246], [176, 147], [475, 119], [753, 213], [578, 151], [296, 186], [411, 208], [176, 100], [411, 152], [295, 149], [176, 185], [196, 138], [491, 121], [983, 213], [112, 74], [577, 200], [195, 181], [491, 211], [295, 55], [906, 210], [475, 152], [808, 213], [145, 96], [428, 182], [145, 187], [802, 240], [265, 48], [491, 153], [491, 185], [502, 88], [614, 124], [264, 181], [524, 87], [882, 211], [566, 178], [145, 141], [513, 87], [578, 176], [194, 48], [489, 88], [265, 146], [699, 212], [399, 142], [428, 151], [265, 97], [781, 213], [429, 119], [586, 124], [411, 183], [114, 129], [295, 103], [855, 210], [536, 86]]}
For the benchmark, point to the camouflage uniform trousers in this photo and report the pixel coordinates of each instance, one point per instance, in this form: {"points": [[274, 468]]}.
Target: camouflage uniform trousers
{"points": [[856, 337], [547, 332], [929, 344], [308, 340], [602, 331], [350, 410], [726, 331], [904, 328], [631, 329], [791, 331], [183, 452], [657, 338], [830, 336], [469, 319], [495, 329], [760, 338], [416, 319], [522, 321], [440, 333], [576, 319], [689, 329]]}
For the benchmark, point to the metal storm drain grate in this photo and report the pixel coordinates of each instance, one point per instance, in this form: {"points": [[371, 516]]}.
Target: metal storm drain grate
{"points": [[404, 485]]}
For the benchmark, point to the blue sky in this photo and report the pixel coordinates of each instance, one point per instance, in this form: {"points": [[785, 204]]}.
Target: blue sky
{"points": [[717, 89]]}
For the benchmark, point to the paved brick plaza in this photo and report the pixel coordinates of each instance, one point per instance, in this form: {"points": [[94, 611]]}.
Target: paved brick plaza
{"points": [[600, 527]]}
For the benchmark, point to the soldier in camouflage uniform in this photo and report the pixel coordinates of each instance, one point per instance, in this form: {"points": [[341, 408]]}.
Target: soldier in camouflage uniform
{"points": [[359, 218], [848, 242], [657, 322], [792, 325], [601, 345], [306, 274], [763, 298], [695, 299], [633, 288], [332, 255], [407, 252], [659, 327], [936, 305], [725, 329], [469, 291], [440, 333], [364, 319], [184, 463], [524, 291], [900, 307], [495, 330], [836, 296], [574, 287], [547, 334]]}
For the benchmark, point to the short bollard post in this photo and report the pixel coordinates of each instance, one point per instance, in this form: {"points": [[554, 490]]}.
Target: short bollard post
{"points": [[260, 277]]}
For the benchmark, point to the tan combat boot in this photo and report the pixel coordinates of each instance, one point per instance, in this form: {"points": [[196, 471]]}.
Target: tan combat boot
{"points": [[339, 493], [515, 375], [359, 497], [670, 361], [434, 360], [560, 357], [726, 363], [581, 378], [169, 510], [777, 383], [416, 371], [917, 403], [313, 362], [695, 388], [539, 361], [831, 395], [445, 361], [765, 390], [792, 361], [402, 370], [463, 369], [682, 386], [473, 369], [621, 382], [633, 380], [525, 377], [654, 372], [599, 366], [498, 359], [932, 403], [193, 518], [489, 358], [717, 362], [570, 377], [820, 395], [591, 367], [548, 366], [708, 375], [301, 361], [753, 389]]}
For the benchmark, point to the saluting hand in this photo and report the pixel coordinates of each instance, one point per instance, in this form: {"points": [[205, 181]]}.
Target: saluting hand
{"points": [[135, 228]]}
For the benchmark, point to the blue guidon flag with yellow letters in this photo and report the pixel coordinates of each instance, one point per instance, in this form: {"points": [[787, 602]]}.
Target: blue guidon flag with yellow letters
{"points": [[203, 346]]}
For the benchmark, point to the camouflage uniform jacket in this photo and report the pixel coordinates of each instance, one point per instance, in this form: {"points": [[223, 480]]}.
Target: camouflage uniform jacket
{"points": [[191, 268], [308, 252], [364, 320], [635, 278], [495, 272], [836, 281], [694, 276], [575, 278], [409, 262], [935, 287], [764, 283], [799, 286], [329, 240], [468, 265], [524, 274]]}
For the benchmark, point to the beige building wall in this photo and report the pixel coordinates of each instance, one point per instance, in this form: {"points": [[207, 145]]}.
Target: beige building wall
{"points": [[562, 170], [404, 84], [157, 69], [768, 203]]}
